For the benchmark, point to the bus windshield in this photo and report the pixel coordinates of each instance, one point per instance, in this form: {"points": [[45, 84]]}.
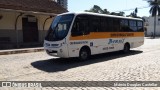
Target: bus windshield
{"points": [[59, 27]]}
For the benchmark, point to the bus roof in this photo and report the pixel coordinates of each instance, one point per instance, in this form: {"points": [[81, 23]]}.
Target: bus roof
{"points": [[97, 14]]}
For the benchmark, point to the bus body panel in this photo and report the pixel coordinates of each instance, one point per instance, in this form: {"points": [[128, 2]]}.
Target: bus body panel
{"points": [[103, 45]]}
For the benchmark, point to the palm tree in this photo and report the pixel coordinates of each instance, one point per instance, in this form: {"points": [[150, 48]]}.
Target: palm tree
{"points": [[155, 9]]}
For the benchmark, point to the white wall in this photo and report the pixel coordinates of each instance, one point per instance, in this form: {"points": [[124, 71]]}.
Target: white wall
{"points": [[41, 20], [150, 28], [7, 25]]}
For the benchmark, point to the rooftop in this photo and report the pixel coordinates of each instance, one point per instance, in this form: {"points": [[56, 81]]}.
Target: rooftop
{"points": [[45, 6]]}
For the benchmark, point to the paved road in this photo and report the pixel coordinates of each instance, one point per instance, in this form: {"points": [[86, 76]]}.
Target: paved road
{"points": [[141, 64]]}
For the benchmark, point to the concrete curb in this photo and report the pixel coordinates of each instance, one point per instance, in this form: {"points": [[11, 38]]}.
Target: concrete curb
{"points": [[17, 51]]}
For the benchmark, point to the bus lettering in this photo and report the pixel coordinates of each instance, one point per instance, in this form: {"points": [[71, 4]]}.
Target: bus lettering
{"points": [[122, 35], [111, 41], [80, 42]]}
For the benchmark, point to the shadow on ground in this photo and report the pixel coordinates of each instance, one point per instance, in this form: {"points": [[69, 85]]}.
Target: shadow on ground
{"points": [[60, 64]]}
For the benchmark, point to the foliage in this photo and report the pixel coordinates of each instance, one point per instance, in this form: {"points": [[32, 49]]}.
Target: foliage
{"points": [[118, 14], [155, 8], [97, 9], [134, 14], [105, 11]]}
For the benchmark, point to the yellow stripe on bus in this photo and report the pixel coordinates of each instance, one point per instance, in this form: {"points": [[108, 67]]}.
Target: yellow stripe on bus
{"points": [[102, 35]]}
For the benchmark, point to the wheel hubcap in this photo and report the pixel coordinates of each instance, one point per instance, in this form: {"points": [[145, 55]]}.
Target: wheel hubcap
{"points": [[126, 48], [84, 55]]}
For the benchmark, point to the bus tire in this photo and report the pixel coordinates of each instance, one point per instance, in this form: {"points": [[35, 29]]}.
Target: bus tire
{"points": [[84, 54], [126, 48]]}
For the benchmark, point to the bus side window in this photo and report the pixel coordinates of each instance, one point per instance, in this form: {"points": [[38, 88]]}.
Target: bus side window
{"points": [[116, 25], [140, 26], [133, 25], [124, 26], [110, 24], [103, 24], [80, 26], [95, 24]]}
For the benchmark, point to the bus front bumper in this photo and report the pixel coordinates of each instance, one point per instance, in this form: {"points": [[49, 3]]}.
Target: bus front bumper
{"points": [[52, 53], [61, 52]]}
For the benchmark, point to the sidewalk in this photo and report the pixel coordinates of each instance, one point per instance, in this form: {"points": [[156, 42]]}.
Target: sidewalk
{"points": [[24, 50]]}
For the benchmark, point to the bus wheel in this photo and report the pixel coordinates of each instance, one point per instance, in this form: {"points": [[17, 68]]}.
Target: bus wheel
{"points": [[126, 48], [84, 54]]}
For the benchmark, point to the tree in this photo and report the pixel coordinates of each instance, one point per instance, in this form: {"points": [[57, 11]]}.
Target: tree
{"points": [[118, 14], [133, 14], [105, 11], [154, 11], [121, 13], [97, 9]]}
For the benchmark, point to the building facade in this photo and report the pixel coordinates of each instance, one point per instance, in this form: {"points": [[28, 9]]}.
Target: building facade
{"points": [[63, 3], [26, 23], [149, 24]]}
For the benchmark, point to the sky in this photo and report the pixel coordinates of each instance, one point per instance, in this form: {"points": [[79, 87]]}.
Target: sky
{"points": [[110, 5]]}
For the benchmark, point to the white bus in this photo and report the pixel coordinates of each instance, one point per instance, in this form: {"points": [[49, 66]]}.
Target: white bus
{"points": [[84, 34]]}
